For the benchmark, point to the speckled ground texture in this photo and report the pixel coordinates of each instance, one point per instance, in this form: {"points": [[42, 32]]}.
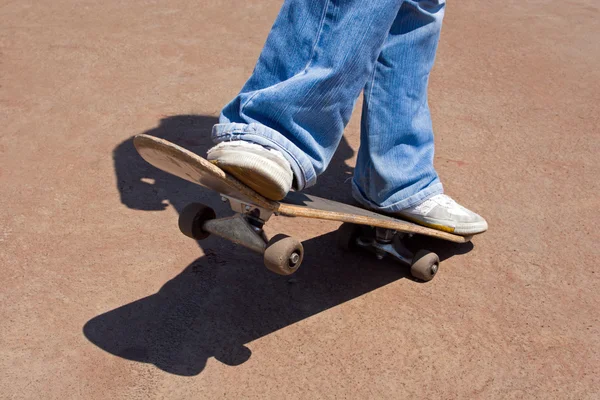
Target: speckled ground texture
{"points": [[102, 297]]}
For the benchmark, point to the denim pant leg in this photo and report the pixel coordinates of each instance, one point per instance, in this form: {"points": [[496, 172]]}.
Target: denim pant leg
{"points": [[315, 62], [395, 161]]}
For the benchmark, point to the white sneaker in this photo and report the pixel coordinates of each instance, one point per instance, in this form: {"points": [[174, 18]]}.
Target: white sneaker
{"points": [[264, 170], [442, 213]]}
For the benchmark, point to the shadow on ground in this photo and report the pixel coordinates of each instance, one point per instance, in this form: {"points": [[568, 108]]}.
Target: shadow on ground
{"points": [[226, 298]]}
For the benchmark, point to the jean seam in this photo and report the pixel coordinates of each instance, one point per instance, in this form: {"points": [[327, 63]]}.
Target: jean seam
{"points": [[318, 36], [372, 85], [310, 58], [368, 102]]}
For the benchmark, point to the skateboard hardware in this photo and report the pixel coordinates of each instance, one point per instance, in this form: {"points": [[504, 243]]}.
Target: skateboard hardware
{"points": [[388, 243], [384, 235], [246, 208], [238, 230], [383, 245], [380, 234]]}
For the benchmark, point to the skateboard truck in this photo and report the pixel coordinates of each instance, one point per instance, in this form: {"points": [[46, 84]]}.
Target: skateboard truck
{"points": [[382, 245], [239, 230], [282, 254], [388, 243]]}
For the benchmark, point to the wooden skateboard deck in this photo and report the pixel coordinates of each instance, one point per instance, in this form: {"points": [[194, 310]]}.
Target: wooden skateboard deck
{"points": [[190, 166]]}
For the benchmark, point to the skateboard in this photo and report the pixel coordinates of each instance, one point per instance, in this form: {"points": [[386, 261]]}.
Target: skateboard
{"points": [[361, 229]]}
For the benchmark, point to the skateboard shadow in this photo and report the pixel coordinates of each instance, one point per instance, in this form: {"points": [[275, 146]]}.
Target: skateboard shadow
{"points": [[144, 187], [226, 298]]}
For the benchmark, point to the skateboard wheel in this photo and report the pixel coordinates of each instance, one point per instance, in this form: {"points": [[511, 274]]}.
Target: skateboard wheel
{"points": [[346, 236], [283, 255], [192, 218], [425, 265]]}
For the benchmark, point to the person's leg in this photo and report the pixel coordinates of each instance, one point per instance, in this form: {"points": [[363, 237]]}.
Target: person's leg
{"points": [[394, 171], [315, 62], [395, 161]]}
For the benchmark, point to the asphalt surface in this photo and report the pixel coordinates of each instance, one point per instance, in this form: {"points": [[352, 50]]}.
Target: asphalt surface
{"points": [[102, 297]]}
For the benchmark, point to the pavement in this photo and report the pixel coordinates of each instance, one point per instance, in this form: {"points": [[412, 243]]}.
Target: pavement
{"points": [[102, 297]]}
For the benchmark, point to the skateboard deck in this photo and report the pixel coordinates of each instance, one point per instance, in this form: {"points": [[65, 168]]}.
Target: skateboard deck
{"points": [[189, 166]]}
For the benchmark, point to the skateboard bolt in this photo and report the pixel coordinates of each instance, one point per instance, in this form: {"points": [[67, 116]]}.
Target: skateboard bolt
{"points": [[294, 258], [434, 269], [247, 208]]}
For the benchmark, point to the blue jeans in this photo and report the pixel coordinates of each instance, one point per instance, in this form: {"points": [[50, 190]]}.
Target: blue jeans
{"points": [[318, 57]]}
